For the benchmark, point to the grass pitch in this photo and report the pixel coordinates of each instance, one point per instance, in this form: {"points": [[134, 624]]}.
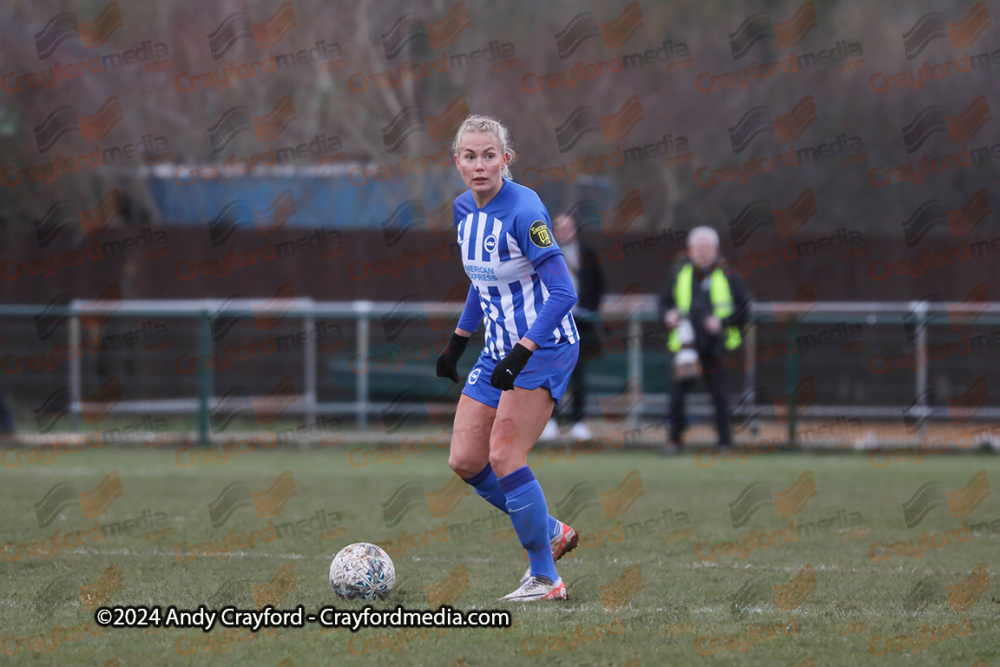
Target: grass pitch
{"points": [[681, 562]]}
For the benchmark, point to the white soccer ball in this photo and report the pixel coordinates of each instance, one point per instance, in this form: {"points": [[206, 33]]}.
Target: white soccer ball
{"points": [[362, 571]]}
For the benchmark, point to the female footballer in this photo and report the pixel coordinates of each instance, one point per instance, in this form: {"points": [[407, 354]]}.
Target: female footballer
{"points": [[521, 290]]}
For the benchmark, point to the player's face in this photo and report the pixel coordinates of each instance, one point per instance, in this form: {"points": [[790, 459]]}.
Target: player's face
{"points": [[481, 162], [564, 229], [702, 251]]}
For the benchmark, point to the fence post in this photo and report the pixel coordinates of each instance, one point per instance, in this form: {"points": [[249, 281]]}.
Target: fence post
{"points": [[310, 371], [635, 371], [750, 373], [791, 382], [204, 351], [363, 308], [922, 320], [74, 370]]}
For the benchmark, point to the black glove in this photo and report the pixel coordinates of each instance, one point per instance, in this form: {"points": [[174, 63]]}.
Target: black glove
{"points": [[447, 363], [509, 367]]}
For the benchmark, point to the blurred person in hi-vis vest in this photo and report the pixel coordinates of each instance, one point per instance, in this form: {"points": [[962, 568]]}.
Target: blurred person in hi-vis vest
{"points": [[704, 309]]}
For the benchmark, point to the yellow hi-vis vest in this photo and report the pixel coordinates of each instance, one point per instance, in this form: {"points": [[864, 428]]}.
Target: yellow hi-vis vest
{"points": [[720, 296]]}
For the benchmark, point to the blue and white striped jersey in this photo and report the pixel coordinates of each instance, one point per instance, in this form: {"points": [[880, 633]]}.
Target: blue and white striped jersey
{"points": [[500, 243]]}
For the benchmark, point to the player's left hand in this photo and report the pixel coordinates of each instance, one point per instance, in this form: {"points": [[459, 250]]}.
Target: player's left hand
{"points": [[509, 367]]}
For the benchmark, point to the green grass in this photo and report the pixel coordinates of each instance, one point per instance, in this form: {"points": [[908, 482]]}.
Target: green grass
{"points": [[681, 598]]}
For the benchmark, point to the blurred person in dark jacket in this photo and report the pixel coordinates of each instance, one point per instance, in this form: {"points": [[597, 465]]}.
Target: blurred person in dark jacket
{"points": [[6, 420], [704, 309], [588, 280]]}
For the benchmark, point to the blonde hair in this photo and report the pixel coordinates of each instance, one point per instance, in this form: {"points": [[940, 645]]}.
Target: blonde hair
{"points": [[491, 126]]}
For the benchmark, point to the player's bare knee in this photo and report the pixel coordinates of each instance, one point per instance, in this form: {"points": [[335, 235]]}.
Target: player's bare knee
{"points": [[506, 460], [499, 461], [465, 466]]}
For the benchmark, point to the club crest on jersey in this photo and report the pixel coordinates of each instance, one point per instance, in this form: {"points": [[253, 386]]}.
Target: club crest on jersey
{"points": [[474, 375], [540, 234], [490, 243]]}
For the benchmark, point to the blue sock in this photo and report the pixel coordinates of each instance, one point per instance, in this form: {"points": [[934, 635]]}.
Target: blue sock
{"points": [[488, 486], [528, 512]]}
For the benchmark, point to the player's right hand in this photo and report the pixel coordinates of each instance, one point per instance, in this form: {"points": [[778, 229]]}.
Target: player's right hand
{"points": [[447, 363]]}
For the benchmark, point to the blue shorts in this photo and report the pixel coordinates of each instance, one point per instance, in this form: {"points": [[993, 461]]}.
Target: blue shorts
{"points": [[548, 367]]}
